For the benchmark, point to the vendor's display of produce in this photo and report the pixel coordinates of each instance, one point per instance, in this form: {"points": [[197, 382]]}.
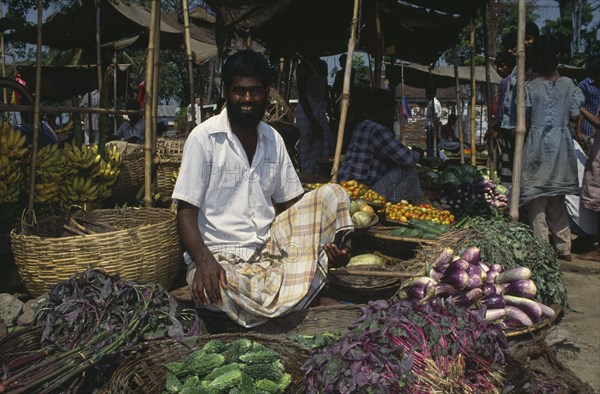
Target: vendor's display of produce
{"points": [[13, 153], [509, 245], [403, 212], [316, 341], [405, 347], [88, 321], [467, 192], [240, 366], [423, 229], [355, 190], [505, 296], [362, 214]]}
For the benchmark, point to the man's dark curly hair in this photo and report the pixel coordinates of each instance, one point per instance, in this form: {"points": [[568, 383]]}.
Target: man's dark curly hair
{"points": [[247, 63]]}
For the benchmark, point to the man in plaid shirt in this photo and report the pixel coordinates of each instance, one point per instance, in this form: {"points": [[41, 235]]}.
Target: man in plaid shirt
{"points": [[374, 157]]}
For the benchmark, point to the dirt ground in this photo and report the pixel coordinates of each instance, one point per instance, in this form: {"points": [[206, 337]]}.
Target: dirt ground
{"points": [[580, 349]]}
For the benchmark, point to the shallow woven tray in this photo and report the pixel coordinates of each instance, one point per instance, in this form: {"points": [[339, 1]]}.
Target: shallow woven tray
{"points": [[368, 284], [169, 147], [145, 373], [382, 233], [515, 332], [145, 247]]}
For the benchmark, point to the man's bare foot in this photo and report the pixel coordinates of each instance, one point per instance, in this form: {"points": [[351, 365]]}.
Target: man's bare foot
{"points": [[324, 301], [594, 255]]}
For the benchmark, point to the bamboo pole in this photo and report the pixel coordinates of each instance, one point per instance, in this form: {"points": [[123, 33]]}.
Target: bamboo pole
{"points": [[74, 110], [288, 87], [98, 46], [379, 45], [211, 81], [461, 137], [402, 123], [36, 111], [116, 66], [473, 93], [190, 61], [155, 75], [345, 102], [520, 129], [148, 103], [280, 74], [490, 32], [3, 55]]}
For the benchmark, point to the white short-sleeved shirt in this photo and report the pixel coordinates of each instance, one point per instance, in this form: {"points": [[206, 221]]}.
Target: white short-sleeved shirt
{"points": [[235, 199]]}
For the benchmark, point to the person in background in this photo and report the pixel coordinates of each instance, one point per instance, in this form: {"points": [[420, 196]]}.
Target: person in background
{"points": [[591, 90], [316, 140], [549, 162], [432, 121], [132, 130], [141, 94], [256, 247], [449, 140], [374, 156], [590, 188], [90, 120]]}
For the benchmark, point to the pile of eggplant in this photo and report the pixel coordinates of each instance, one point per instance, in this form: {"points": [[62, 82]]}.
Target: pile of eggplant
{"points": [[456, 197], [507, 295]]}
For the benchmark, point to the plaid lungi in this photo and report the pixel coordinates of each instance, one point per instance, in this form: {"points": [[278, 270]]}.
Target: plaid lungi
{"points": [[290, 269]]}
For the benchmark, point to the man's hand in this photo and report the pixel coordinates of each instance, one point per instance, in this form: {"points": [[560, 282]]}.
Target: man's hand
{"points": [[420, 151], [208, 280], [337, 257]]}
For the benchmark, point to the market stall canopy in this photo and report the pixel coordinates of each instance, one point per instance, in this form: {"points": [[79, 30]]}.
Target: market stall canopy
{"points": [[410, 31], [65, 82], [418, 75], [121, 24]]}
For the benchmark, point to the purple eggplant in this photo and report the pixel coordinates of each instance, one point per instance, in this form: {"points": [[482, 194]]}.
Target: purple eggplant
{"points": [[546, 310], [495, 314], [491, 276], [496, 267], [444, 290], [475, 269], [488, 289], [514, 274], [444, 257], [474, 281], [484, 266], [521, 288], [457, 278], [460, 263], [415, 292], [530, 307], [471, 254], [494, 301], [468, 298], [435, 274], [517, 314]]}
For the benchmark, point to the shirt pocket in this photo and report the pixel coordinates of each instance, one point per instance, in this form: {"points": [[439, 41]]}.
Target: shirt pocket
{"points": [[268, 176]]}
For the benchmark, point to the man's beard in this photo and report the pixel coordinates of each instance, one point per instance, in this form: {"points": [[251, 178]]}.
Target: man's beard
{"points": [[246, 120]]}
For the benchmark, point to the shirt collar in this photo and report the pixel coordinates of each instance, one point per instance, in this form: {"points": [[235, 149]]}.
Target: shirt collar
{"points": [[223, 126]]}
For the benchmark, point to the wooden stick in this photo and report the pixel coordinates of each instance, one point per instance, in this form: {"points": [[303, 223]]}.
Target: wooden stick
{"points": [[345, 103], [148, 104], [383, 274], [520, 130], [190, 62], [98, 54], [473, 94], [461, 137], [74, 110]]}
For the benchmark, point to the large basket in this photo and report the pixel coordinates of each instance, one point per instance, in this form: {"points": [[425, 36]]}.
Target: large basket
{"points": [[145, 373], [164, 178], [131, 178], [170, 147], [142, 245]]}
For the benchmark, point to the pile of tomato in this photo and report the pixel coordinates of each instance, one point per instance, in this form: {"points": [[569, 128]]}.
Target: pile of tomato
{"points": [[403, 211], [357, 190]]}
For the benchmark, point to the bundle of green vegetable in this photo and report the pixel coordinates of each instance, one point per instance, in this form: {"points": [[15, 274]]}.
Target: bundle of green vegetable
{"points": [[88, 321], [510, 245], [404, 347], [240, 366], [506, 297], [315, 341]]}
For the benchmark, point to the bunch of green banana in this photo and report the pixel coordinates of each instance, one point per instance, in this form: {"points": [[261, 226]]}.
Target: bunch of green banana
{"points": [[46, 193], [78, 192], [114, 156], [12, 142], [9, 192], [82, 160], [50, 165]]}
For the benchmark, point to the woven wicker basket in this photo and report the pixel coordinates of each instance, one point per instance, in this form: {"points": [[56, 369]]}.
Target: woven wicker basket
{"points": [[144, 247], [164, 182], [144, 373], [170, 147], [131, 178]]}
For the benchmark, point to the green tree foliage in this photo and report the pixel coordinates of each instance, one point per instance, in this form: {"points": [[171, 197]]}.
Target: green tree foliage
{"points": [[507, 20]]}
